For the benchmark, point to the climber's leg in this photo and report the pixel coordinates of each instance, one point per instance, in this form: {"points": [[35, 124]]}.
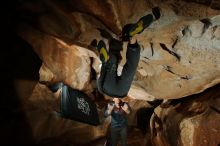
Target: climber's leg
{"points": [[129, 69]]}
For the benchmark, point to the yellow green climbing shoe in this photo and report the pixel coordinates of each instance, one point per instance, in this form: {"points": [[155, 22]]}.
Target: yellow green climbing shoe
{"points": [[103, 52], [129, 30]]}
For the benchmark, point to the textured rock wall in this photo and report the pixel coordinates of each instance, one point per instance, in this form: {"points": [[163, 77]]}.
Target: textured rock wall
{"points": [[61, 62], [190, 121], [173, 48], [180, 59]]}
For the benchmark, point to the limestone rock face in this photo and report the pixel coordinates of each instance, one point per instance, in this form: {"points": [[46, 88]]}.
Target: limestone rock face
{"points": [[189, 121], [180, 59], [71, 64], [173, 48]]}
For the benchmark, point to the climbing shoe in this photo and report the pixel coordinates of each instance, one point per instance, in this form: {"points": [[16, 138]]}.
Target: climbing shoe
{"points": [[140, 26], [137, 28], [144, 22], [129, 30], [125, 34], [156, 12], [103, 52]]}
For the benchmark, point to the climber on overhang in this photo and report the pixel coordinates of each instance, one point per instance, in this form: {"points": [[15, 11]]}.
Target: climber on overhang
{"points": [[109, 82]]}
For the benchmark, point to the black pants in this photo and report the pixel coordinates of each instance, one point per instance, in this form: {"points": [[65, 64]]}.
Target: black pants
{"points": [[109, 82], [119, 134]]}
